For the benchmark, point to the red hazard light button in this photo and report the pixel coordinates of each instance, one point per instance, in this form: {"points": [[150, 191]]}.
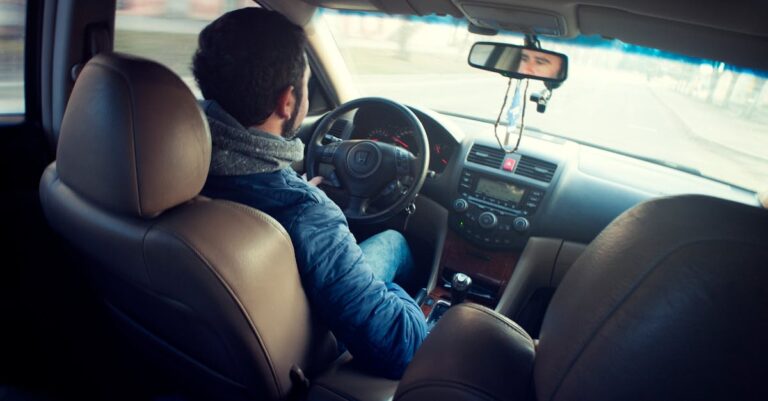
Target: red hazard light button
{"points": [[509, 164]]}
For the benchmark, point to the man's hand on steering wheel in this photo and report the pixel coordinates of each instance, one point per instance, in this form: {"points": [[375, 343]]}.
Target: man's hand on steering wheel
{"points": [[367, 169]]}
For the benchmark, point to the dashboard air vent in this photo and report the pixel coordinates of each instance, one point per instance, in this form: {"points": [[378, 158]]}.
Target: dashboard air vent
{"points": [[536, 169], [486, 155]]}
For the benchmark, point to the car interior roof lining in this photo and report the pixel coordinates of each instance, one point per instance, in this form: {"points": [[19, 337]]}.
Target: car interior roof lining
{"points": [[733, 32]]}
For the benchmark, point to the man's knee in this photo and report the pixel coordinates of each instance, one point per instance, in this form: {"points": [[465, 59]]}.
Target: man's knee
{"points": [[394, 237]]}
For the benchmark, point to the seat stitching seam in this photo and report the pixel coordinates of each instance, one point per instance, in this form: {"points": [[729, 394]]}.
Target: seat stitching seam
{"points": [[259, 215], [512, 326], [126, 81]]}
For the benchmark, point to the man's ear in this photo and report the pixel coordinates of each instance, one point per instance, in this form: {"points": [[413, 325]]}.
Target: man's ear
{"points": [[285, 103]]}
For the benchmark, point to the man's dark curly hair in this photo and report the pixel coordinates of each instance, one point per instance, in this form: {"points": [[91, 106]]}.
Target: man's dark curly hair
{"points": [[246, 58]]}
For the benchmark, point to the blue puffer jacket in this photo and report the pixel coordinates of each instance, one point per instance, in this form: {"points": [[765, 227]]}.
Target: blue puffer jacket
{"points": [[379, 322]]}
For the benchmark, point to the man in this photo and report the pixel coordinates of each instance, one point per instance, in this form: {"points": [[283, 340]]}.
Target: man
{"points": [[252, 70], [540, 64]]}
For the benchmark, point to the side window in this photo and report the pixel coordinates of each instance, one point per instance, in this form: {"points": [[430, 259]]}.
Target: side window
{"points": [[12, 23], [166, 30], [318, 100]]}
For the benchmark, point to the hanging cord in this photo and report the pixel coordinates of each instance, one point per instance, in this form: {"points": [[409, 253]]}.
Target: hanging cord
{"points": [[522, 119]]}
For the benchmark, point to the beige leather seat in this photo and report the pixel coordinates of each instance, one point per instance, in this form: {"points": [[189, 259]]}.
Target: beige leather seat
{"points": [[207, 288], [669, 302]]}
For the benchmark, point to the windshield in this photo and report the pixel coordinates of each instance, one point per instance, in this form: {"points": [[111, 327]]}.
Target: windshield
{"points": [[697, 115]]}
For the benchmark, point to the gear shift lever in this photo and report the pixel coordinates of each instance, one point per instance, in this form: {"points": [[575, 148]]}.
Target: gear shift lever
{"points": [[459, 288]]}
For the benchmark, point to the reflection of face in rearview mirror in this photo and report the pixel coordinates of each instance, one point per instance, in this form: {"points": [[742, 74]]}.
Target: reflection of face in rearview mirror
{"points": [[540, 64], [519, 62]]}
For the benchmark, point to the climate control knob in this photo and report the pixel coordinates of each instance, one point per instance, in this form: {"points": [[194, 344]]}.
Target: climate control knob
{"points": [[460, 205], [520, 224], [487, 220]]}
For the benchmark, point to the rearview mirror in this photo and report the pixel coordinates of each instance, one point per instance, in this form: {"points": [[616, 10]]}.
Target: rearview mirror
{"points": [[519, 62]]}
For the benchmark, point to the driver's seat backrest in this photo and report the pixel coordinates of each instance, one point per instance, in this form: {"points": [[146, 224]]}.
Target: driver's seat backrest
{"points": [[208, 288]]}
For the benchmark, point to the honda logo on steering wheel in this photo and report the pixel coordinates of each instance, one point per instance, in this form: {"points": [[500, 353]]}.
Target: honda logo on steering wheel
{"points": [[361, 157]]}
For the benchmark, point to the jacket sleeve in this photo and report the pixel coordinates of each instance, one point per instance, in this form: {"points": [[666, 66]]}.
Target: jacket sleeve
{"points": [[379, 322]]}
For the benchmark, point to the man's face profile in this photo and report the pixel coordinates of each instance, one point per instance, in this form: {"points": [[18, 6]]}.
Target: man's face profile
{"points": [[300, 108], [539, 64]]}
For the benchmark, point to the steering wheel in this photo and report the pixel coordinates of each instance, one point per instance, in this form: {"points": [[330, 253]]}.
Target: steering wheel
{"points": [[370, 171]]}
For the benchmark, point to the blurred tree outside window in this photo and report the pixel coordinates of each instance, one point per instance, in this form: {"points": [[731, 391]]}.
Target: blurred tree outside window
{"points": [[166, 30]]}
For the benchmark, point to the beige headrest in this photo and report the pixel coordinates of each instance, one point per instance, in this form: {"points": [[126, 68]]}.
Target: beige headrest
{"points": [[133, 138]]}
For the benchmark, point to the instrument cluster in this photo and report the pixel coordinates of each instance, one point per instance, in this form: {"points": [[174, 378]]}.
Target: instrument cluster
{"points": [[440, 151]]}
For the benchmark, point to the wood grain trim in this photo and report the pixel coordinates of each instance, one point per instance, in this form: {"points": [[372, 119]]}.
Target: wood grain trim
{"points": [[486, 267], [436, 294]]}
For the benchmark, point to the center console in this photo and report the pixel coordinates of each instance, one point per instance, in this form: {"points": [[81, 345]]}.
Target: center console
{"points": [[493, 205], [488, 269], [493, 208], [489, 226], [494, 212]]}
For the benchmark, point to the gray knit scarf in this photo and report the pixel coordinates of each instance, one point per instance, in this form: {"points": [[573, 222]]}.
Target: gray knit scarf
{"points": [[238, 150]]}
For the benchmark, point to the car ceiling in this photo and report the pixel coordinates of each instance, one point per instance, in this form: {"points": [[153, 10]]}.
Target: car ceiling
{"points": [[731, 31]]}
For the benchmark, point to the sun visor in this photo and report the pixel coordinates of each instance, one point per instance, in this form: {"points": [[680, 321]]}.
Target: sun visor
{"points": [[526, 20], [683, 38]]}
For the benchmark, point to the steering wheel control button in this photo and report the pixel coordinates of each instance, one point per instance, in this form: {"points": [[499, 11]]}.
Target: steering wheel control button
{"points": [[327, 152], [487, 220], [363, 159], [460, 205], [521, 224]]}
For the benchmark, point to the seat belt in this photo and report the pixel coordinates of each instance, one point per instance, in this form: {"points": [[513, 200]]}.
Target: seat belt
{"points": [[97, 40]]}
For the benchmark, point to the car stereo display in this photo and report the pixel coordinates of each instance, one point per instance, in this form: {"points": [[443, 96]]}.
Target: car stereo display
{"points": [[499, 190]]}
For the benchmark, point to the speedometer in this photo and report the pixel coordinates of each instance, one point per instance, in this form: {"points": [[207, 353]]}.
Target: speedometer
{"points": [[401, 137], [380, 135]]}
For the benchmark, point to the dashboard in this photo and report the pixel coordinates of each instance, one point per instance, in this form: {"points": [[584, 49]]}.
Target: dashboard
{"points": [[583, 188], [483, 206], [550, 187]]}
